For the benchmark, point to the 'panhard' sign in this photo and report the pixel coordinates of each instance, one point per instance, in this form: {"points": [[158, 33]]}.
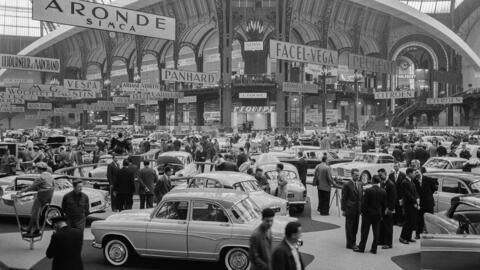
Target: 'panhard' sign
{"points": [[10, 61], [445, 100], [173, 75], [104, 17], [301, 53], [395, 94]]}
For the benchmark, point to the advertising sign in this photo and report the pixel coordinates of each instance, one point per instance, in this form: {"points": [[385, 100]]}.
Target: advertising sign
{"points": [[254, 109], [10, 61], [258, 95], [445, 100], [12, 100], [253, 46], [300, 87], [39, 106], [15, 82], [301, 53], [82, 85], [189, 99], [12, 109], [141, 87], [173, 75], [127, 100], [371, 64], [343, 103], [157, 95], [104, 17], [395, 94]]}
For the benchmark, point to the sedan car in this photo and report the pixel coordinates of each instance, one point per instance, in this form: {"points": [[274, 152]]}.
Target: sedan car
{"points": [[189, 224], [99, 200], [452, 240], [367, 163], [238, 181], [189, 166], [444, 163]]}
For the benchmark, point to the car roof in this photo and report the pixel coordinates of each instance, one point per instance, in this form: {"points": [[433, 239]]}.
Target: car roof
{"points": [[376, 154], [226, 197], [273, 166], [226, 177], [450, 158], [466, 176], [175, 154]]}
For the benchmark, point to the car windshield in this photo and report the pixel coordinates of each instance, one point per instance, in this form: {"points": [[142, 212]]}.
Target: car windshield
{"points": [[246, 210], [437, 164], [366, 158], [475, 186], [250, 186], [289, 175]]}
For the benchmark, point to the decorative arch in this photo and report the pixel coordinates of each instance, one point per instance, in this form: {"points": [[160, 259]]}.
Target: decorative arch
{"points": [[369, 45], [340, 39]]}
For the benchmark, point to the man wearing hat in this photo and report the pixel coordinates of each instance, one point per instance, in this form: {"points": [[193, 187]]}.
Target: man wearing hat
{"points": [[75, 206], [65, 246], [43, 185]]}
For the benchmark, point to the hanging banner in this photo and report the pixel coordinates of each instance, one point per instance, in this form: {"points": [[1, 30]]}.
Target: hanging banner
{"points": [[39, 106], [253, 46], [10, 61], [445, 100], [189, 99], [141, 87], [172, 75], [104, 17], [301, 53], [253, 95], [254, 109], [300, 87], [371, 64], [95, 86], [395, 94]]}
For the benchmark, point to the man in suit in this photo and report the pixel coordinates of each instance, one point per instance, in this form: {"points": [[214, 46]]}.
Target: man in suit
{"points": [[147, 178], [163, 185], [397, 178], [112, 171], [411, 205], [324, 182], [124, 187], [425, 186], [352, 192], [372, 212], [286, 255], [302, 168], [260, 252], [386, 225], [65, 246]]}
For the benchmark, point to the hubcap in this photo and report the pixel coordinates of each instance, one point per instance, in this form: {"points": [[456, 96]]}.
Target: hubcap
{"points": [[53, 212], [238, 260], [117, 252]]}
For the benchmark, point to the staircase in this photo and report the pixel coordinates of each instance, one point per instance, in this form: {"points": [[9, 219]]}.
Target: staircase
{"points": [[403, 112]]}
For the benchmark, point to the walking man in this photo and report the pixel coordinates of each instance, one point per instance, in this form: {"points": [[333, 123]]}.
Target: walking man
{"points": [[386, 225], [75, 205], [425, 186], [147, 178], [324, 182], [372, 208], [286, 255], [65, 246], [302, 168], [112, 171], [411, 205], [260, 251], [352, 192], [125, 187]]}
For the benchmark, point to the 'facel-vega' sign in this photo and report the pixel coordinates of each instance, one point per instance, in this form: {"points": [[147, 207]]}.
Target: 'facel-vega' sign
{"points": [[301, 53], [104, 17]]}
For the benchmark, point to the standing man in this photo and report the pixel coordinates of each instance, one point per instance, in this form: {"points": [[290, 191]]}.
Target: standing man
{"points": [[242, 157], [425, 186], [372, 211], [465, 153], [352, 192], [65, 246], [411, 205], [112, 172], [286, 255], [261, 180], [302, 168], [261, 242], [147, 178], [163, 186], [282, 182], [324, 182], [125, 187], [386, 225], [397, 178], [75, 205]]}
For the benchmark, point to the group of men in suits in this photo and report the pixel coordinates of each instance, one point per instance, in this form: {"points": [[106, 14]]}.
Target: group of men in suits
{"points": [[401, 198]]}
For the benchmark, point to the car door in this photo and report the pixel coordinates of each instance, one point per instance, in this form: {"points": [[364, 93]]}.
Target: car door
{"points": [[167, 231], [448, 189], [209, 226]]}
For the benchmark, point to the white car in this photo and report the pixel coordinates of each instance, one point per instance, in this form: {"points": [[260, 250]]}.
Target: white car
{"points": [[367, 164], [99, 200], [444, 163], [189, 166], [428, 140]]}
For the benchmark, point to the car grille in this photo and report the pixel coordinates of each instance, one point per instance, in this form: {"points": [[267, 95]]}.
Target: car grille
{"points": [[340, 171], [347, 173], [97, 203]]}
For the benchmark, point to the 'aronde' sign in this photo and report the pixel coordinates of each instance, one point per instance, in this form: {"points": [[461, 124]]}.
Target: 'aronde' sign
{"points": [[104, 17], [301, 53], [173, 75]]}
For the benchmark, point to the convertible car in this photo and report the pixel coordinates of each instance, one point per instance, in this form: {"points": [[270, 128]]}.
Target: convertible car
{"points": [[238, 181], [188, 224], [452, 240]]}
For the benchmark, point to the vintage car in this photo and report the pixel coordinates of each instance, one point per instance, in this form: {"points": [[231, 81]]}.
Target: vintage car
{"points": [[100, 171], [99, 200], [428, 140], [188, 224], [452, 240], [296, 192], [189, 166], [451, 184], [444, 163], [367, 163], [238, 181]]}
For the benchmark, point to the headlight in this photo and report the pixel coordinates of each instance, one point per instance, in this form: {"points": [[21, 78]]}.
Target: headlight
{"points": [[276, 209]]}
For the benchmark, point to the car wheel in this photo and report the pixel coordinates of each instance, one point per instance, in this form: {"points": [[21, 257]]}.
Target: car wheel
{"points": [[237, 259], [365, 177], [116, 252], [49, 213]]}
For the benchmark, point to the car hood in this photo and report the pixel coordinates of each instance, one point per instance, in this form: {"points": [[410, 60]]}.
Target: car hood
{"points": [[265, 200], [131, 215]]}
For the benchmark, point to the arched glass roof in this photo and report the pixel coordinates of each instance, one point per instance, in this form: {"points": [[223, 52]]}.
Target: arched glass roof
{"points": [[432, 6]]}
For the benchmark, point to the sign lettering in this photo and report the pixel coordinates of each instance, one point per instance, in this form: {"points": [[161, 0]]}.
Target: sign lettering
{"points": [[395, 94], [173, 75], [253, 46], [300, 87], [301, 53], [252, 95], [39, 106], [254, 109], [371, 64], [445, 100], [10, 61], [82, 85]]}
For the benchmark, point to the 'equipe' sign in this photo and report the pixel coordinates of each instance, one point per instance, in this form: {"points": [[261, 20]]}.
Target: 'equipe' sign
{"points": [[173, 75], [104, 17], [395, 94], [301, 53], [445, 100], [11, 61], [254, 109], [300, 87]]}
